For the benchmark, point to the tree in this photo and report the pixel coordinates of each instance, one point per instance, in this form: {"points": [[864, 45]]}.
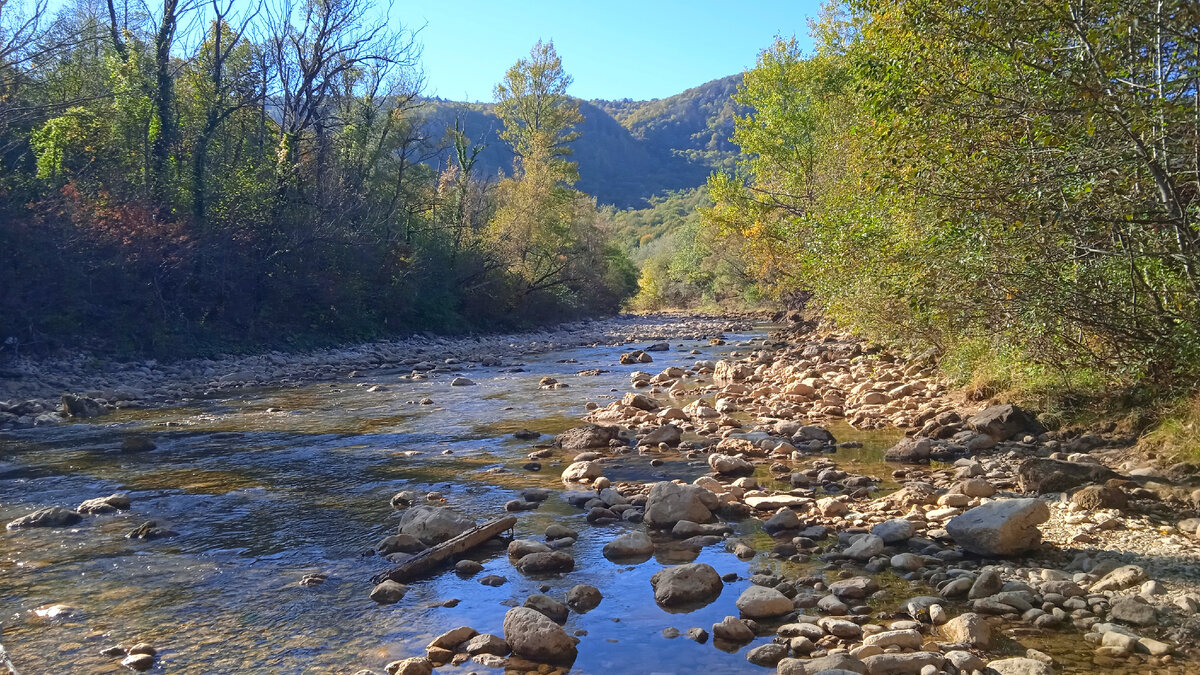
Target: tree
{"points": [[538, 116], [226, 81], [1005, 177]]}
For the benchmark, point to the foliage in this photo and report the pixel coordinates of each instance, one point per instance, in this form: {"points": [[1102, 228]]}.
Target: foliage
{"points": [[549, 233], [1018, 176], [683, 265], [274, 182]]}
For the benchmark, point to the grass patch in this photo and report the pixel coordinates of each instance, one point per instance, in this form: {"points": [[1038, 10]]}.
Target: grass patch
{"points": [[1178, 434]]}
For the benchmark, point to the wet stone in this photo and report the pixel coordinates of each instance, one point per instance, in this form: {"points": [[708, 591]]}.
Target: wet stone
{"points": [[138, 662]]}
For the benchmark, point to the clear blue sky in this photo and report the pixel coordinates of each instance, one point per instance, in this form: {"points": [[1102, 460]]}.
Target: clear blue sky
{"points": [[613, 48]]}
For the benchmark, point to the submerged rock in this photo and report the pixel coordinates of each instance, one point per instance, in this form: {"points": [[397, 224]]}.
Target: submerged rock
{"points": [[52, 516], [151, 529]]}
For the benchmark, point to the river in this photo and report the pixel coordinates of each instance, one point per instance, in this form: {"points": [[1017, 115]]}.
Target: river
{"points": [[273, 484]]}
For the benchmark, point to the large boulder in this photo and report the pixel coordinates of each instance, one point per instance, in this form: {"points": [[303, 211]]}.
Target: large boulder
{"points": [[669, 503], [582, 472], [1040, 475], [728, 465], [1019, 666], [52, 516], [434, 524], [531, 635], [1002, 422], [586, 437], [910, 450], [629, 546], [760, 602], [1004, 527], [728, 372], [81, 406], [686, 585]]}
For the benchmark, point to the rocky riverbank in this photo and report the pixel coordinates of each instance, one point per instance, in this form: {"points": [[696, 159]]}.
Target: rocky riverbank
{"points": [[720, 474], [1014, 532], [42, 391]]}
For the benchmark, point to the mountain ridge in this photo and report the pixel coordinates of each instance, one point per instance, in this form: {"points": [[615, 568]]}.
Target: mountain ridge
{"points": [[628, 151]]}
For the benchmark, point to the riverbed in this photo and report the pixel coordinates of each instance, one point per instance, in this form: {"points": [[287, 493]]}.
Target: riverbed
{"points": [[269, 485]]}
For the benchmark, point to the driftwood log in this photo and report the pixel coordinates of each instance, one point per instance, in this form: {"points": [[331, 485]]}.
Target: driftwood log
{"points": [[431, 558]]}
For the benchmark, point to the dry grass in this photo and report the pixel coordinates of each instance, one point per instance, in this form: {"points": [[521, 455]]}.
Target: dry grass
{"points": [[1177, 435]]}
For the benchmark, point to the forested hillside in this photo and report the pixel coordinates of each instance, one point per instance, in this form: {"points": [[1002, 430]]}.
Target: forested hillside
{"points": [[628, 151]]}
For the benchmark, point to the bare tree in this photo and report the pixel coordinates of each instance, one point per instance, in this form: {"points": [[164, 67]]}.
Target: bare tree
{"points": [[229, 93], [318, 52]]}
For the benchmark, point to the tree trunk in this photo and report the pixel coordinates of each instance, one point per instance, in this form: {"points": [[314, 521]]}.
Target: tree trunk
{"points": [[429, 559]]}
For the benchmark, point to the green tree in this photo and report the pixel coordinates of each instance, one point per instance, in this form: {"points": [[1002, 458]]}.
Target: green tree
{"points": [[1004, 174], [538, 116], [532, 225]]}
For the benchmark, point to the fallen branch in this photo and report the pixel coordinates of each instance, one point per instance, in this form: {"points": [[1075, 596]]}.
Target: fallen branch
{"points": [[431, 558]]}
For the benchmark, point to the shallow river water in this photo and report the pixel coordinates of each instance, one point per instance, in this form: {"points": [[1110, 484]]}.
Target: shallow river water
{"points": [[274, 484]]}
